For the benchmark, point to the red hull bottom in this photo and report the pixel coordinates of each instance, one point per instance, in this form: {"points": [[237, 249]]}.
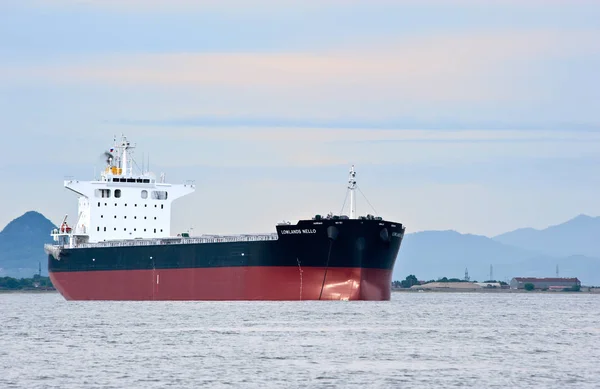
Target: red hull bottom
{"points": [[230, 283]]}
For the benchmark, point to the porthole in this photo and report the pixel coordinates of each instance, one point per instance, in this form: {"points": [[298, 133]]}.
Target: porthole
{"points": [[97, 228], [115, 216], [144, 194], [162, 206], [115, 228], [117, 193], [154, 217], [98, 203]]}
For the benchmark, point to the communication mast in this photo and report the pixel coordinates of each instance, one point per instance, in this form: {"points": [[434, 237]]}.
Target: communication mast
{"points": [[467, 278], [352, 187]]}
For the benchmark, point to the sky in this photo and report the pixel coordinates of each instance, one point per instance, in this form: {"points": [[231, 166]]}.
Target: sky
{"points": [[476, 116]]}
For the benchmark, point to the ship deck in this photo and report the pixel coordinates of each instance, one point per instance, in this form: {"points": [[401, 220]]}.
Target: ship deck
{"points": [[171, 240]]}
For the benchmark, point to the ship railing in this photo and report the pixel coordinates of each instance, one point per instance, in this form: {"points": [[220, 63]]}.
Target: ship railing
{"points": [[182, 240]]}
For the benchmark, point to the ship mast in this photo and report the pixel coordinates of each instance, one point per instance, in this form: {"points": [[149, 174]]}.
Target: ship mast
{"points": [[126, 146], [352, 187]]}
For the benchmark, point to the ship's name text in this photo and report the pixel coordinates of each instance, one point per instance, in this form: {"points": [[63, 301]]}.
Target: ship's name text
{"points": [[305, 231]]}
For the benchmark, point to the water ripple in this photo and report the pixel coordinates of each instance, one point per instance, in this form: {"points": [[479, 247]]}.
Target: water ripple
{"points": [[425, 340]]}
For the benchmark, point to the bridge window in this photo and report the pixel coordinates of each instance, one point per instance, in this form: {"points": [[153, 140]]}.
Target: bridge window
{"points": [[159, 194], [103, 193], [144, 194]]}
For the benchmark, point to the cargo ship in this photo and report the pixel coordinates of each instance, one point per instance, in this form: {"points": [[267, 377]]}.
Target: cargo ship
{"points": [[120, 247]]}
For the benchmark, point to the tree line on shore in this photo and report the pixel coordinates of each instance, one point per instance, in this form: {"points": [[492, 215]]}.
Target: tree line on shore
{"points": [[37, 282]]}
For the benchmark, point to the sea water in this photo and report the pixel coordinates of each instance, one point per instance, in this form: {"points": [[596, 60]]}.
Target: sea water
{"points": [[416, 340]]}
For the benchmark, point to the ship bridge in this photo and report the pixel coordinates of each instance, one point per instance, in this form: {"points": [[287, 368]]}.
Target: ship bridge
{"points": [[122, 203]]}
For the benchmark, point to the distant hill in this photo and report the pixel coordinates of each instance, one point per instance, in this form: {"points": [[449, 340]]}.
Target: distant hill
{"points": [[22, 245], [574, 246], [436, 254], [578, 236]]}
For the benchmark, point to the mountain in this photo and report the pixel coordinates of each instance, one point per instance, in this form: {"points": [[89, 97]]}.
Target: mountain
{"points": [[573, 246], [578, 236], [436, 254], [22, 245]]}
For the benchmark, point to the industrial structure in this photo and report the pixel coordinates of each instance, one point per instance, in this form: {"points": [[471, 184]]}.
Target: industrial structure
{"points": [[544, 283]]}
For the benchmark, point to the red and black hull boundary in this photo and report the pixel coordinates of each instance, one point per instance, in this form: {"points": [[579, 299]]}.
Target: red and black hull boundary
{"points": [[313, 260]]}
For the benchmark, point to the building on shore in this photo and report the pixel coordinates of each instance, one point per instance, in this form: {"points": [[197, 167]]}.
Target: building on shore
{"points": [[490, 285], [448, 286], [544, 283]]}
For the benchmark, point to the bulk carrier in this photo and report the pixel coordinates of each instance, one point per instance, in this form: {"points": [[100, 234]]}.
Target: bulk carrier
{"points": [[121, 248]]}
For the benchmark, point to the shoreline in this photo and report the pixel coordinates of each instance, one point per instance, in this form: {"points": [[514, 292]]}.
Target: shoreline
{"points": [[494, 290], [28, 291]]}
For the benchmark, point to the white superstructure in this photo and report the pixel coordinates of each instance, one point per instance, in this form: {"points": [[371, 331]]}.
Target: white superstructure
{"points": [[122, 204]]}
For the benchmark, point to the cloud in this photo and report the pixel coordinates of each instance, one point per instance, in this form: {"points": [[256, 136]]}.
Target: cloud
{"points": [[293, 147], [234, 5], [459, 67]]}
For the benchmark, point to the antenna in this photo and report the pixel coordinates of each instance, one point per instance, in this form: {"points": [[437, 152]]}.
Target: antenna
{"points": [[557, 271], [467, 278], [491, 273], [352, 187]]}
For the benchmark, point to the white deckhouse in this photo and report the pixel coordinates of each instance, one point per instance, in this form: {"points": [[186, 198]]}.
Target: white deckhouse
{"points": [[121, 205]]}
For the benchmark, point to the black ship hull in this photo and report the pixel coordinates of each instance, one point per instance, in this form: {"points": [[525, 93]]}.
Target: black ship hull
{"points": [[314, 259]]}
